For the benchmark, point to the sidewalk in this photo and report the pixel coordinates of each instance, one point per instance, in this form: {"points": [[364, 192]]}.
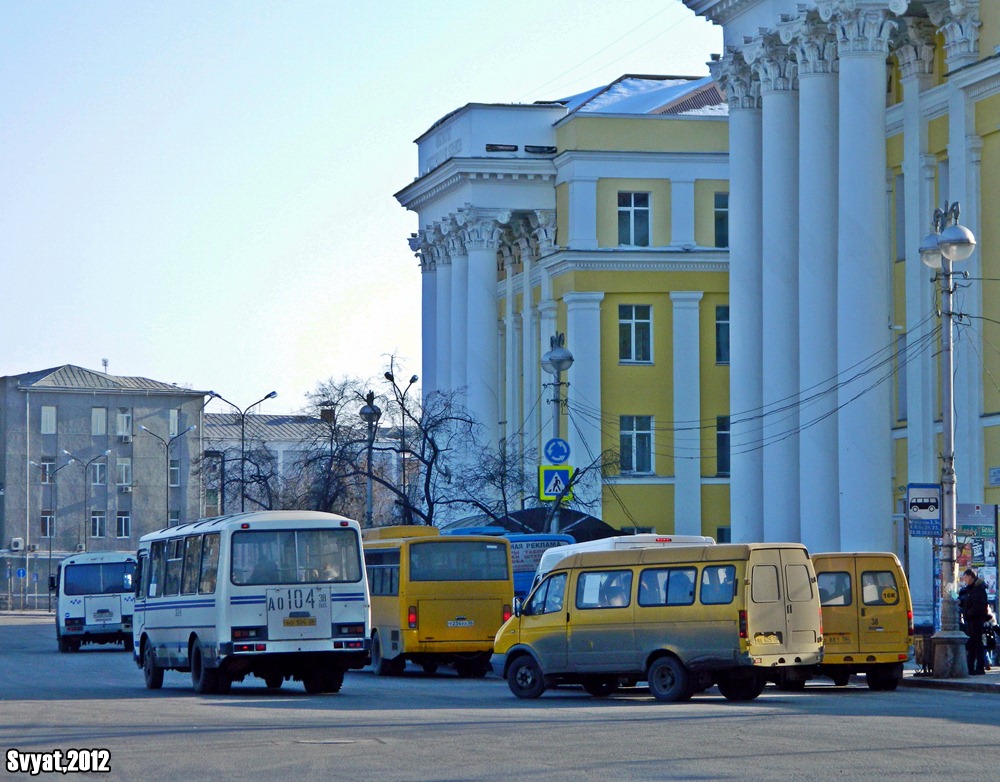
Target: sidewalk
{"points": [[988, 682]]}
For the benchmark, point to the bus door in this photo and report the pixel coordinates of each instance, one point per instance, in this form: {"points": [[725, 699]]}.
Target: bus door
{"points": [[141, 585], [883, 623], [298, 611], [602, 633], [543, 622], [783, 614]]}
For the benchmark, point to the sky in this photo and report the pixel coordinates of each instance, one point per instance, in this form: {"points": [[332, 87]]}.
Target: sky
{"points": [[201, 193]]}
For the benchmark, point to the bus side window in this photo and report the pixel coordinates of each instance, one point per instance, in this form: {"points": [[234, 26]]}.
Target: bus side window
{"points": [[141, 569], [157, 561], [192, 565], [209, 564]]}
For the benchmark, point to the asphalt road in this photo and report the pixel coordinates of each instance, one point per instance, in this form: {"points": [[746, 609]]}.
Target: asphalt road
{"points": [[421, 727]]}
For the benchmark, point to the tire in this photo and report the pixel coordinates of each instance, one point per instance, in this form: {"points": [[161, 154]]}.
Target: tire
{"points": [[382, 666], [152, 674], [472, 669], [745, 687], [881, 680], [274, 682], [205, 680], [601, 686], [524, 677], [334, 681], [429, 667], [669, 680], [841, 678], [315, 682], [64, 644], [129, 644]]}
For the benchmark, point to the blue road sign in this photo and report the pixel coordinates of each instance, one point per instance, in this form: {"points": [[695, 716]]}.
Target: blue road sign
{"points": [[21, 572], [556, 450], [552, 481]]}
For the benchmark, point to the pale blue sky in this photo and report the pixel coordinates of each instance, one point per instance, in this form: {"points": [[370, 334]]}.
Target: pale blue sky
{"points": [[201, 192]]}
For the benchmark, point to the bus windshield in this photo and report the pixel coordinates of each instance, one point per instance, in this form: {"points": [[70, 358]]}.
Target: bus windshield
{"points": [[296, 556], [458, 560], [110, 578]]}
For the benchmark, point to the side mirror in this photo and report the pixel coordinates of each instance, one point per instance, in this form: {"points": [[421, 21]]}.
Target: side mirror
{"points": [[52, 583], [517, 606]]}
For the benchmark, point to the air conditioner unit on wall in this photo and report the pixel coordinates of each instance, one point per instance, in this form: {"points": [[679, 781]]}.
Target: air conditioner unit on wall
{"points": [[81, 547], [125, 489], [17, 544], [126, 438]]}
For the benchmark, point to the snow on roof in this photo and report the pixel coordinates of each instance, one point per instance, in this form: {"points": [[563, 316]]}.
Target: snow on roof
{"points": [[633, 94]]}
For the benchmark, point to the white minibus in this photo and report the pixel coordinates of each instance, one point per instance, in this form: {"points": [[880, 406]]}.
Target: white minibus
{"points": [[554, 556], [276, 594], [94, 598]]}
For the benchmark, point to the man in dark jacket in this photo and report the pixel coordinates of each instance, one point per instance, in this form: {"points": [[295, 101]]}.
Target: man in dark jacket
{"points": [[975, 612]]}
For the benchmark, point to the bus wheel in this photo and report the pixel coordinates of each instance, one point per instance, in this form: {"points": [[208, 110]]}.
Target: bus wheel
{"points": [[274, 682], [152, 674], [601, 686], [841, 678], [129, 644], [315, 682], [524, 677], [205, 680], [429, 667], [743, 687], [64, 644], [382, 666], [668, 680], [334, 681]]}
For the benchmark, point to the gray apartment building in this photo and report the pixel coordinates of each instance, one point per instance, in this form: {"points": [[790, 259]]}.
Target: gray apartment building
{"points": [[92, 461]]}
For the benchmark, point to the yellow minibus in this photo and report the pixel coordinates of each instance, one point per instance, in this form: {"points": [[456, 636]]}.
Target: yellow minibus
{"points": [[436, 599], [680, 618]]}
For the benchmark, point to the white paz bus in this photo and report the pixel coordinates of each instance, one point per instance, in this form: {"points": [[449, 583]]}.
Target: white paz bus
{"points": [[94, 597], [276, 594]]}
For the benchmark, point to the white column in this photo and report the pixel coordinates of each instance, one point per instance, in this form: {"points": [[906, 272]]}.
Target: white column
{"points": [[863, 335], [583, 433], [916, 62], [582, 218], [687, 412], [815, 51], [745, 294], [529, 365], [512, 358], [428, 319], [458, 367], [682, 213], [780, 353], [482, 236], [445, 331]]}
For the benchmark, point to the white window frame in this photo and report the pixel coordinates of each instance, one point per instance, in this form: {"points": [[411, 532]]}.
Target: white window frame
{"points": [[123, 421], [630, 439], [630, 211], [99, 474], [48, 470], [47, 520], [98, 524], [632, 321], [123, 471], [49, 419], [173, 427], [174, 473], [98, 421], [123, 524]]}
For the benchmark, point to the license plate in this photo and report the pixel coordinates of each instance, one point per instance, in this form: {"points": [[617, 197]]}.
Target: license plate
{"points": [[770, 638], [299, 621], [461, 623], [837, 638]]}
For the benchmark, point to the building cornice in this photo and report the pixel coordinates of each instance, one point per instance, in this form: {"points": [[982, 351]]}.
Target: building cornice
{"points": [[456, 172], [615, 259]]}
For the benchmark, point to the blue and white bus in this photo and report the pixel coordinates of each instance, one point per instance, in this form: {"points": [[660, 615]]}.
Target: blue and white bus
{"points": [[278, 595]]}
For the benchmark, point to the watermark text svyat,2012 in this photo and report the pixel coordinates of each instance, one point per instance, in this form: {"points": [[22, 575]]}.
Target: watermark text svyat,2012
{"points": [[59, 761]]}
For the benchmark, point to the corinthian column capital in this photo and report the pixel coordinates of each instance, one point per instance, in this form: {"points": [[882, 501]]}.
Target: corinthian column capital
{"points": [[811, 43], [482, 229], [772, 62], [736, 79], [914, 47], [959, 23], [860, 27]]}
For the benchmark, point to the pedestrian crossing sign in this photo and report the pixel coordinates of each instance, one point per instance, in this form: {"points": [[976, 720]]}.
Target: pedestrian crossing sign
{"points": [[553, 480]]}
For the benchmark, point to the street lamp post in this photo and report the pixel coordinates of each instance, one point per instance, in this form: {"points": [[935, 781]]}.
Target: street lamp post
{"points": [[948, 243], [51, 480], [370, 414], [243, 439], [555, 362], [86, 490], [402, 436], [166, 448]]}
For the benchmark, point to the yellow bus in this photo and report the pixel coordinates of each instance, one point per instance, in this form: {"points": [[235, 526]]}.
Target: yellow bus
{"points": [[436, 599]]}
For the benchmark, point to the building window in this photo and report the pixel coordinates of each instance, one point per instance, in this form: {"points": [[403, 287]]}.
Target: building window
{"points": [[722, 219], [633, 219], [173, 518], [174, 472], [124, 471], [48, 526], [98, 524], [722, 445], [636, 444], [48, 419], [123, 524], [98, 421], [48, 470], [175, 419], [722, 335], [124, 422], [635, 333], [99, 473]]}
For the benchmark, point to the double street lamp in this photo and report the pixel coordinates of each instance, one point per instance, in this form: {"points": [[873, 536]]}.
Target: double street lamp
{"points": [[948, 243], [402, 436], [81, 544], [50, 478], [166, 443], [243, 439], [555, 362], [370, 414]]}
